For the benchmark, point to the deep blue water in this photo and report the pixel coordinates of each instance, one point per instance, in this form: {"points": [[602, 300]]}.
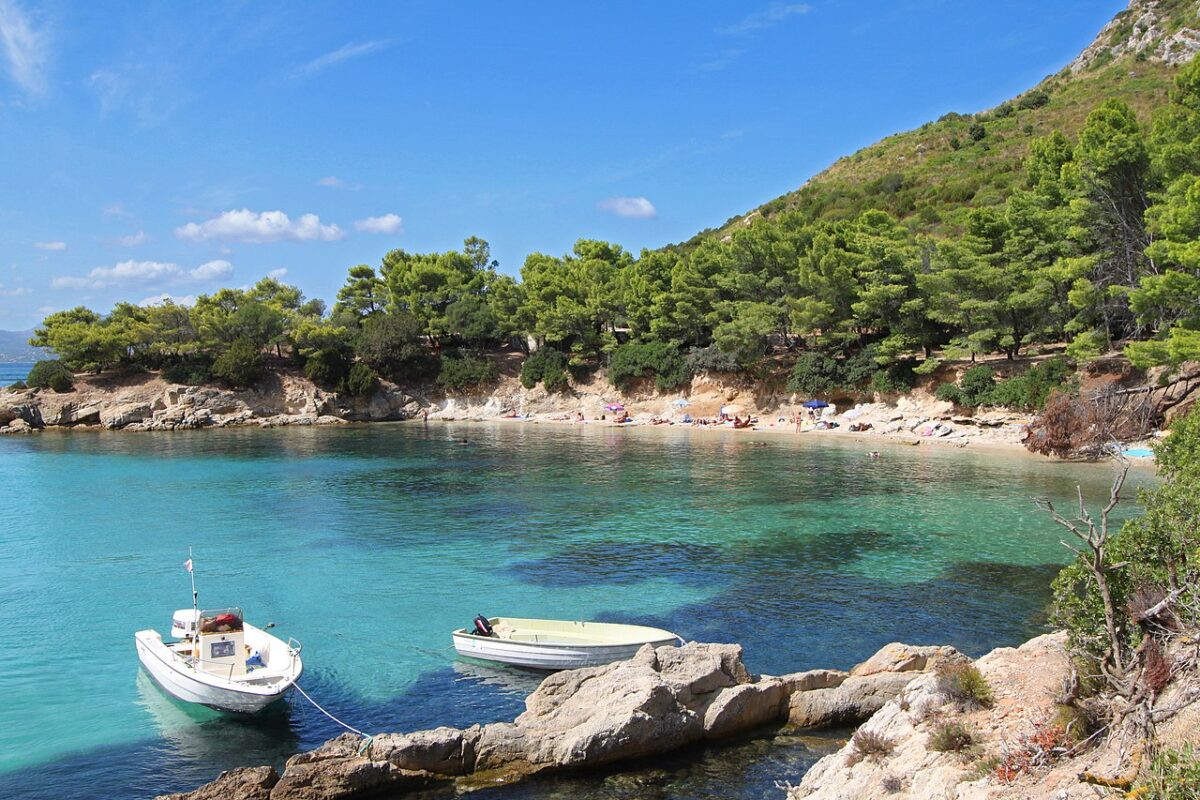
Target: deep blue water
{"points": [[13, 371], [369, 543]]}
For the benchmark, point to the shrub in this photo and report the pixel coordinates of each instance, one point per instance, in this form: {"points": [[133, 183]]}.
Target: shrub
{"points": [[240, 365], [977, 131], [894, 379], [975, 384], [52, 374], [964, 684], [18, 386], [327, 367], [891, 784], [640, 359], [950, 392], [1173, 775], [815, 374], [951, 737], [710, 359], [1074, 721], [1035, 99], [867, 744], [466, 372], [1030, 391], [191, 370], [362, 380], [547, 366], [390, 343]]}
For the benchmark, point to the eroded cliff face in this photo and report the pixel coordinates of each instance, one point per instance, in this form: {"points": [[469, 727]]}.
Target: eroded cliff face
{"points": [[1159, 30]]}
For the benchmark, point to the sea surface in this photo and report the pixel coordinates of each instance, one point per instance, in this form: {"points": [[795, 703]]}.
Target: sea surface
{"points": [[370, 543], [13, 371]]}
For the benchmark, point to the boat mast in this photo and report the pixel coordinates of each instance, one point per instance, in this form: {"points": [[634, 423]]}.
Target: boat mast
{"points": [[195, 597]]}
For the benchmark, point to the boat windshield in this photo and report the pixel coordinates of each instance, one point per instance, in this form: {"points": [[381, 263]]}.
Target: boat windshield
{"points": [[221, 620]]}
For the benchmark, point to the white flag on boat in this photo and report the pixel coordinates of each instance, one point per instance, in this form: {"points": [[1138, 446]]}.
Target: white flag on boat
{"points": [[188, 565]]}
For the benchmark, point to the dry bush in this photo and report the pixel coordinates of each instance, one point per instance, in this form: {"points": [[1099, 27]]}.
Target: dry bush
{"points": [[964, 684], [868, 744], [1085, 425], [951, 737], [1043, 747]]}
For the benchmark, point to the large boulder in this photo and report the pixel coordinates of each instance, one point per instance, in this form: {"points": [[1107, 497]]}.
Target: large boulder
{"points": [[246, 783], [849, 703], [897, 657], [337, 770], [118, 416], [445, 751], [745, 707]]}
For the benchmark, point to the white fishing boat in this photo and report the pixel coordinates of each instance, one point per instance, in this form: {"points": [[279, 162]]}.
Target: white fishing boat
{"points": [[217, 659], [555, 644]]}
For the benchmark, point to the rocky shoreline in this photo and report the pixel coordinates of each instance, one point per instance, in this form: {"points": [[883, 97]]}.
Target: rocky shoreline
{"points": [[662, 700], [145, 402], [671, 698]]}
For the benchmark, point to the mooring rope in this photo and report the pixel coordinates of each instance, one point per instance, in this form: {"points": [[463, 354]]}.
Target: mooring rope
{"points": [[366, 737]]}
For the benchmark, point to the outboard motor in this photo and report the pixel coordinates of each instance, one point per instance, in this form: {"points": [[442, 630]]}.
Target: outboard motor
{"points": [[482, 626]]}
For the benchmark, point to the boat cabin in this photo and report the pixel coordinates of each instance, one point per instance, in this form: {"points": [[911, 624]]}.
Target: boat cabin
{"points": [[214, 639]]}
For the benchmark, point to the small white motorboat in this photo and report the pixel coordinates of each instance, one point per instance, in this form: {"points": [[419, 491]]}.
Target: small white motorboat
{"points": [[555, 644], [220, 661]]}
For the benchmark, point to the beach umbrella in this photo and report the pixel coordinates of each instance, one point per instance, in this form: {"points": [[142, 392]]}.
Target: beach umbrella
{"points": [[731, 409], [614, 407], [816, 404], [680, 403]]}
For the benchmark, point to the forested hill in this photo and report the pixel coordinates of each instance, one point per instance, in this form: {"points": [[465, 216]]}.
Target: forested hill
{"points": [[932, 176]]}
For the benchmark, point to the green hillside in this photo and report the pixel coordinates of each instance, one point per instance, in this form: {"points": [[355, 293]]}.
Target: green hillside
{"points": [[931, 176]]}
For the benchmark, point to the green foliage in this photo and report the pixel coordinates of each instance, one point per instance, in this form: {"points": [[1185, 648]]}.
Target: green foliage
{"points": [[466, 372], [17, 386], [976, 384], [951, 737], [815, 374], [240, 365], [51, 374], [710, 359], [1172, 775], [194, 369], [964, 684], [327, 367], [547, 366], [390, 342], [362, 380], [950, 393], [635, 360]]}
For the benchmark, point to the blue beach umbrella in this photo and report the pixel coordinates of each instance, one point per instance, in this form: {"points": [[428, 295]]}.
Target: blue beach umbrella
{"points": [[816, 404]]}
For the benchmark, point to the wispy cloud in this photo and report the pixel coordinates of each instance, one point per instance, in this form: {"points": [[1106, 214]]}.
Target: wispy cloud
{"points": [[26, 49], [725, 60], [55, 247], [133, 239], [132, 273], [160, 299], [333, 182], [265, 226], [116, 210], [629, 207], [278, 274], [16, 291], [346, 52], [388, 223], [768, 17]]}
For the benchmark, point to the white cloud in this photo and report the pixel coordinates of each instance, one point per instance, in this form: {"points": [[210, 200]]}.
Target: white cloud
{"points": [[57, 247], [133, 239], [630, 207], [344, 53], [16, 291], [116, 210], [334, 182], [769, 17], [211, 270], [278, 274], [142, 272], [159, 299], [26, 49], [266, 226], [388, 223]]}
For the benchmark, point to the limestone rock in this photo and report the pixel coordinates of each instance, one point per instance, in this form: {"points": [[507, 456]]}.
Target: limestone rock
{"points": [[849, 703], [745, 707], [813, 679], [17, 425], [245, 783], [336, 770], [118, 416], [446, 751], [897, 657]]}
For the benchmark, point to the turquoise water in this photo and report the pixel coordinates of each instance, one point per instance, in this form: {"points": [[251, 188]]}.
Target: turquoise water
{"points": [[369, 543], [13, 371]]}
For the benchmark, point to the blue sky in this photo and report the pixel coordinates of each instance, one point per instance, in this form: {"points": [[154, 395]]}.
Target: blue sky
{"points": [[162, 148]]}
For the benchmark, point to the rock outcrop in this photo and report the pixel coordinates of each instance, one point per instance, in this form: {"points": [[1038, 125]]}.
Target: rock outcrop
{"points": [[1147, 28], [660, 700]]}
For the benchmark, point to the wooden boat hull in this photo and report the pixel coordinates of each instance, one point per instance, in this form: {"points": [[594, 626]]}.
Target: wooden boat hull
{"points": [[558, 645]]}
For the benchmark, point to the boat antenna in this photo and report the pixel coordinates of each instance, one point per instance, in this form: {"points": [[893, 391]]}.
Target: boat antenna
{"points": [[192, 575]]}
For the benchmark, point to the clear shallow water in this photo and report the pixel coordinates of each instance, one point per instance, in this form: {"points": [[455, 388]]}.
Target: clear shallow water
{"points": [[369, 543]]}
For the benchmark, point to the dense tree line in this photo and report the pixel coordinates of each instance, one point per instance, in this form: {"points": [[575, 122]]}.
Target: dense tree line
{"points": [[1098, 247]]}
